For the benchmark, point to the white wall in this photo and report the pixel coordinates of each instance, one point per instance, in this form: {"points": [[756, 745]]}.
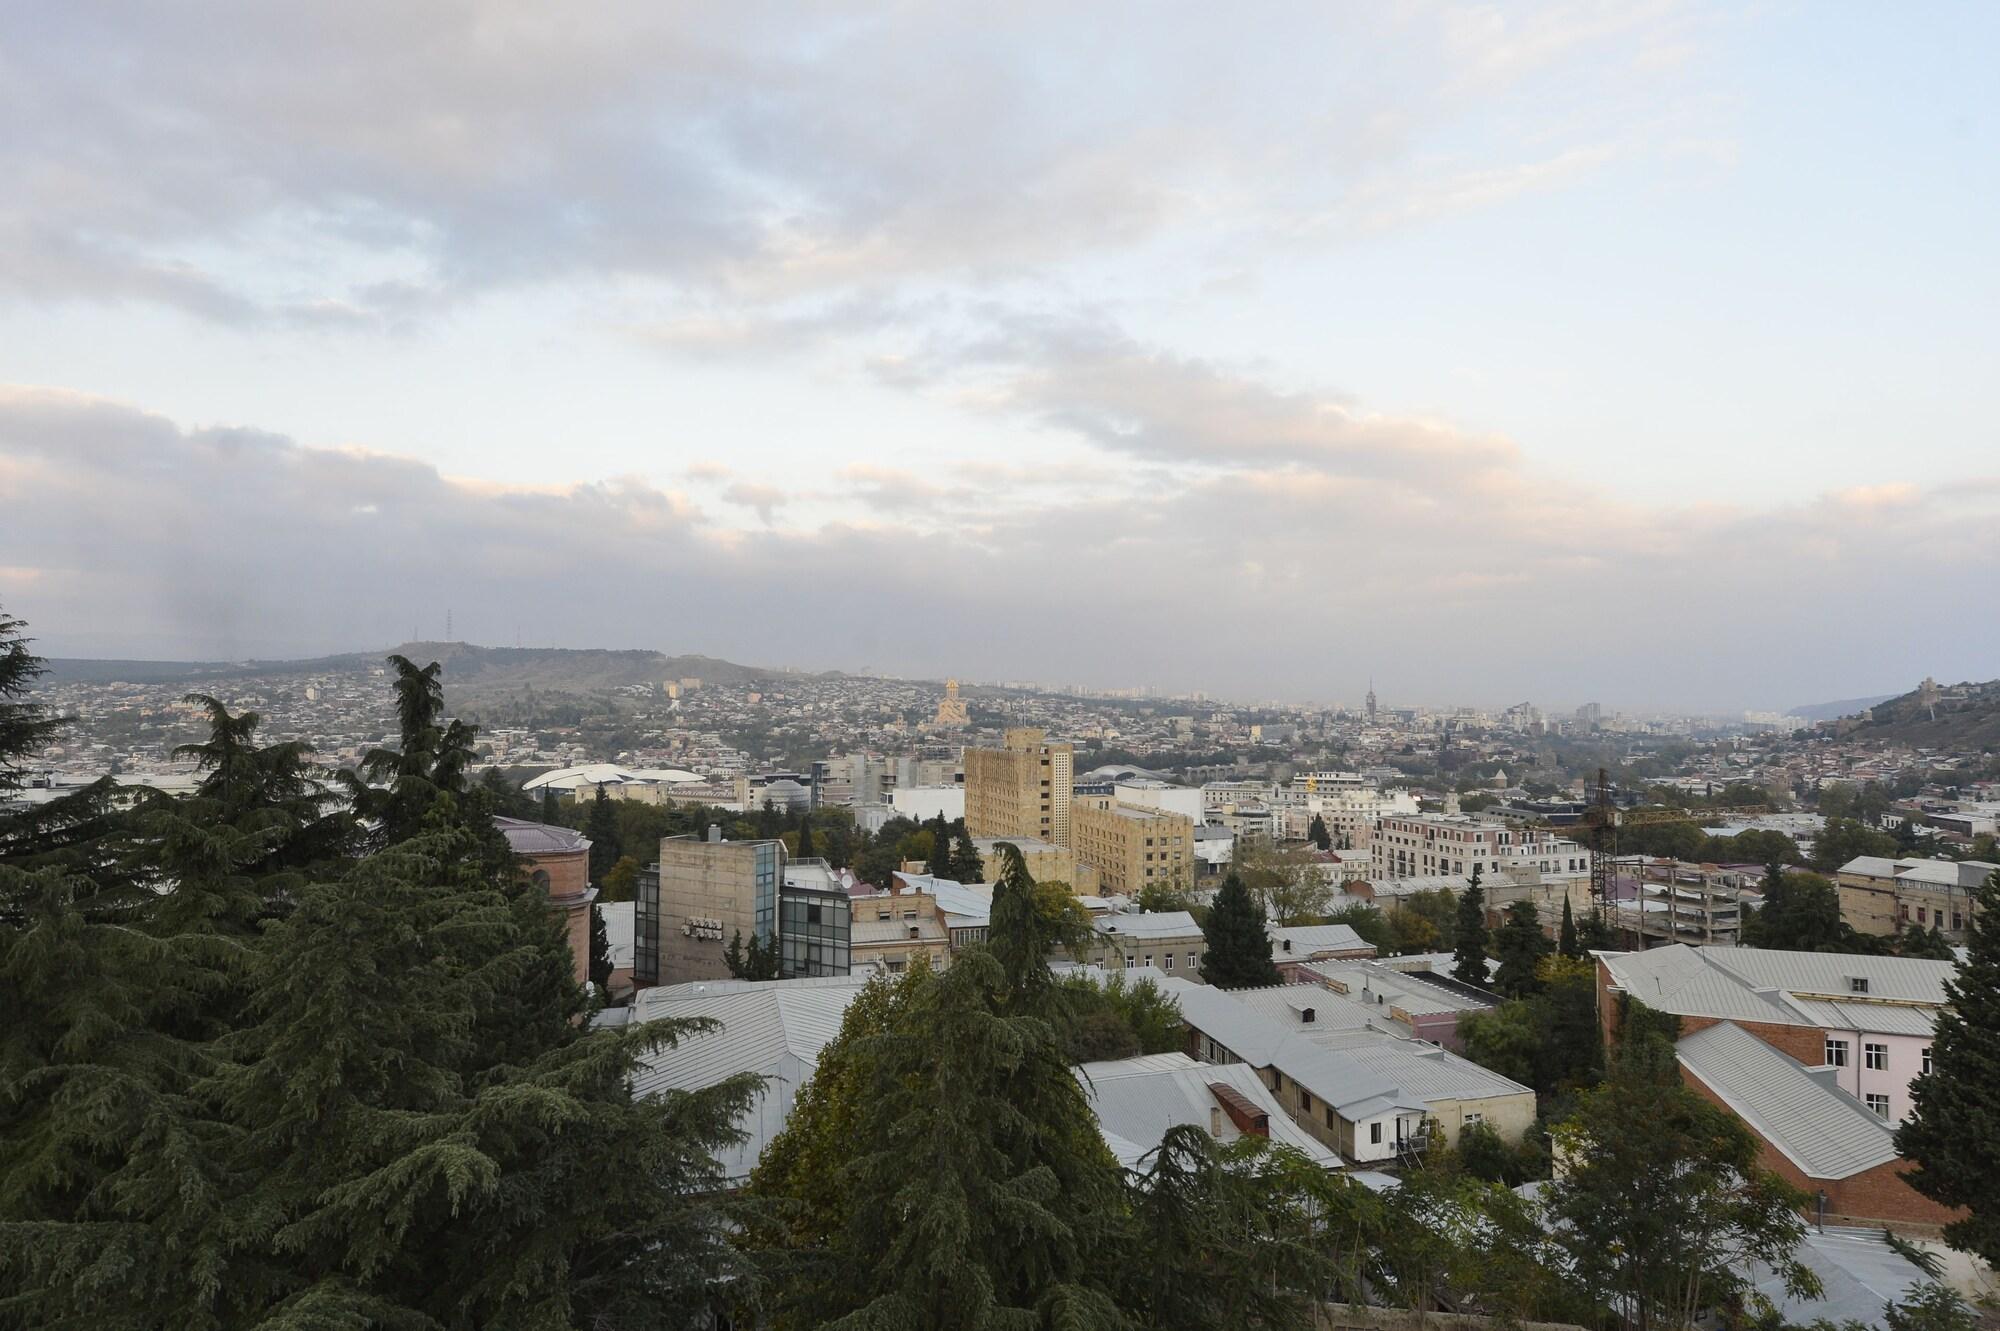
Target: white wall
{"points": [[926, 802]]}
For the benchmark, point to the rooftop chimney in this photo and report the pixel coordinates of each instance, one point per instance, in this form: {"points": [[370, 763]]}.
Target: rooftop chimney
{"points": [[715, 831]]}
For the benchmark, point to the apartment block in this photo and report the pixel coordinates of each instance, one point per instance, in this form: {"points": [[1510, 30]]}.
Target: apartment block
{"points": [[1460, 845], [1880, 896], [706, 891], [1021, 789], [1132, 848]]}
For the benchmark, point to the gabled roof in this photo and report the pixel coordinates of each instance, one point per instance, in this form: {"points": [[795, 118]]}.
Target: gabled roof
{"points": [[530, 838], [1307, 939], [1137, 1099], [1823, 1131], [1147, 925], [774, 1028]]}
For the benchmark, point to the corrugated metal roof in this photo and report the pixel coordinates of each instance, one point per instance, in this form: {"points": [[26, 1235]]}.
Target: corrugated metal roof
{"points": [[774, 1028], [1138, 1099], [1306, 939], [1679, 979], [1148, 924], [1910, 979], [527, 838], [1873, 1018], [1825, 1132]]}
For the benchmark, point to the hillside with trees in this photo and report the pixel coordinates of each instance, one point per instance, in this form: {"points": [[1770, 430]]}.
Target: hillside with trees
{"points": [[1960, 717]]}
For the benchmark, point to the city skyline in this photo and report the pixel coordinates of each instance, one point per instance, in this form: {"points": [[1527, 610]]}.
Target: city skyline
{"points": [[1629, 352]]}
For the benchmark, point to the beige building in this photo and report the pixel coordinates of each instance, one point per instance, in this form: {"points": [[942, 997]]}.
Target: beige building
{"points": [[705, 892], [894, 928], [1133, 848], [1020, 790], [1880, 896], [1046, 861]]}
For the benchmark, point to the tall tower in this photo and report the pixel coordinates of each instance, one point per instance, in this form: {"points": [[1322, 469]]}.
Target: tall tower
{"points": [[1371, 700]]}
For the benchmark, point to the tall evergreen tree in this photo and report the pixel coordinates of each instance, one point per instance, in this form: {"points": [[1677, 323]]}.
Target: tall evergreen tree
{"points": [[939, 865], [1318, 835], [806, 851], [1567, 943], [25, 727], [551, 807], [600, 952], [602, 829], [1468, 963], [1239, 944], [1519, 946], [983, 1195], [966, 864], [1953, 1132]]}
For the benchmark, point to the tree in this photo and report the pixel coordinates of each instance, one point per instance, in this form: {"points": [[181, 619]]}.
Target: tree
{"points": [[1318, 835], [1931, 1307], [1371, 924], [551, 807], [602, 829], [25, 727], [980, 1193], [733, 955], [1160, 898], [967, 866], [1239, 944], [806, 838], [1286, 881], [1468, 964], [1953, 1132], [622, 881], [1662, 1205], [1929, 944], [1519, 946], [600, 952], [1567, 942], [1800, 913]]}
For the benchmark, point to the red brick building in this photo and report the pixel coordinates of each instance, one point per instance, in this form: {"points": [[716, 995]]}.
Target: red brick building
{"points": [[557, 860]]}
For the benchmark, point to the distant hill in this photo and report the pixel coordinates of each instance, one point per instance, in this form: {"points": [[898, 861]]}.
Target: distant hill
{"points": [[467, 668], [1945, 716], [1828, 711]]}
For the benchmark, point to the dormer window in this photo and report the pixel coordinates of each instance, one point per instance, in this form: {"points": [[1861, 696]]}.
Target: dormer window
{"points": [[1857, 984]]}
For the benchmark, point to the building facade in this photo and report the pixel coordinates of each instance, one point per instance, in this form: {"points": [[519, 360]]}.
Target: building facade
{"points": [[1021, 789], [1460, 845], [1132, 848], [1881, 896], [557, 860], [705, 892]]}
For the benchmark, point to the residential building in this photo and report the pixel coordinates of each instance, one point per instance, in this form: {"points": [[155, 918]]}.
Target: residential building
{"points": [[1133, 848], [1811, 1133], [1021, 789], [892, 929], [1881, 896], [557, 860], [1459, 844], [1367, 1093], [705, 892], [1862, 1023], [1169, 940], [1137, 1100], [1421, 1004], [1294, 945]]}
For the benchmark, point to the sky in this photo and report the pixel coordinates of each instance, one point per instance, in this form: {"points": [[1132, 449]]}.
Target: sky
{"points": [[1634, 352]]}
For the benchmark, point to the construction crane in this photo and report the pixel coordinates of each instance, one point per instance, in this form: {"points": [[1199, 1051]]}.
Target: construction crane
{"points": [[1602, 821]]}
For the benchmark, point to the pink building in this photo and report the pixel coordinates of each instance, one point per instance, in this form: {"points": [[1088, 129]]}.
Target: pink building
{"points": [[557, 860]]}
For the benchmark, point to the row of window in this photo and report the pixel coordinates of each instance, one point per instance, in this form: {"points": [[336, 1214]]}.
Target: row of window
{"points": [[1166, 961], [1874, 1055]]}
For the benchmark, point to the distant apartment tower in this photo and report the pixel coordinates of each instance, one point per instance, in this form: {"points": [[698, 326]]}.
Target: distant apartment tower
{"points": [[1020, 790], [704, 892], [1133, 848]]}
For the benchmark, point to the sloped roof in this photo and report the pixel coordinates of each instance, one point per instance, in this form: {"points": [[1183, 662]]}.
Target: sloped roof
{"points": [[1908, 979], [1306, 939], [774, 1028], [1137, 1099], [1147, 924], [1332, 1076], [1825, 1132], [530, 838], [1679, 979]]}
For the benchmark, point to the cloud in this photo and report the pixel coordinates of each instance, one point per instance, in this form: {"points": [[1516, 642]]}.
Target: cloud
{"points": [[1255, 570], [770, 174]]}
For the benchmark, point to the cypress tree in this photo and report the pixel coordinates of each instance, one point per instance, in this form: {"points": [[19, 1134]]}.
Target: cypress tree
{"points": [[1468, 964], [602, 829], [25, 727], [600, 953], [806, 838], [1318, 835], [1519, 946], [1567, 944], [966, 864], [1953, 1132], [1239, 944]]}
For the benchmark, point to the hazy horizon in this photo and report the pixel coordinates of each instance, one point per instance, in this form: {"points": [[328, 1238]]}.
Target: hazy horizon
{"points": [[1636, 353]]}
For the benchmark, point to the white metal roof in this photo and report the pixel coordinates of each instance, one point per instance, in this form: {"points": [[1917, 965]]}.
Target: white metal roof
{"points": [[1824, 1131], [1137, 1099]]}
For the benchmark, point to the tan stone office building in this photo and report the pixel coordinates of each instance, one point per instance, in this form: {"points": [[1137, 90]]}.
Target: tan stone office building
{"points": [[1133, 848], [1020, 790]]}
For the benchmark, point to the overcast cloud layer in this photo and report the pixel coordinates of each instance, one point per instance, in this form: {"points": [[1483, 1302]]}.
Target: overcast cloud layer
{"points": [[1497, 354]]}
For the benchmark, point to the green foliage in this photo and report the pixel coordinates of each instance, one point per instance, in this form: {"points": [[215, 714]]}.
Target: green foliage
{"points": [[602, 829], [1548, 1040], [1845, 838], [1286, 881], [1239, 945], [1160, 898], [1520, 946], [257, 1073], [1318, 835], [600, 952], [1953, 1132], [1931, 1306], [1118, 1020], [1661, 1201], [25, 727], [1801, 913], [1567, 942], [621, 882], [1468, 961], [1371, 924]]}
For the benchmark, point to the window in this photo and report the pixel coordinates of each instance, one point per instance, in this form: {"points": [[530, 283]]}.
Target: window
{"points": [[1857, 984], [1474, 1117], [1194, 963], [1875, 1057], [1306, 1100], [1169, 959], [1374, 1134], [1836, 1053], [1129, 960], [1878, 1105], [1927, 1059], [1149, 958]]}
